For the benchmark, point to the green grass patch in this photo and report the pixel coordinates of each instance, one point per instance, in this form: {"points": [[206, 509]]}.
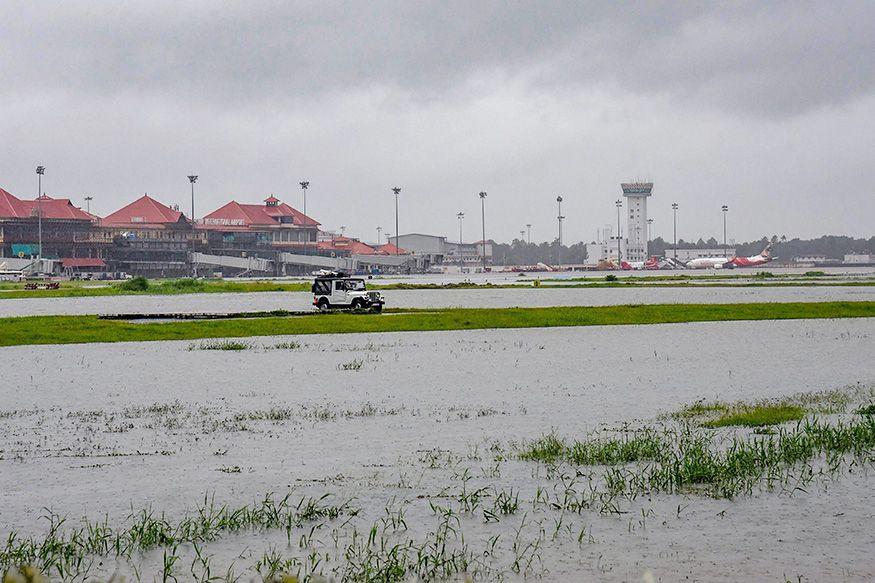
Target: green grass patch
{"points": [[867, 409], [83, 329], [758, 416]]}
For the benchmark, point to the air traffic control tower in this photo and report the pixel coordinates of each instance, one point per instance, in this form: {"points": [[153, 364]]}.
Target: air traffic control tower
{"points": [[636, 194]]}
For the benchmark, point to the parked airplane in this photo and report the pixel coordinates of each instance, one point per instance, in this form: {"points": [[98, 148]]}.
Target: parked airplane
{"points": [[731, 262]]}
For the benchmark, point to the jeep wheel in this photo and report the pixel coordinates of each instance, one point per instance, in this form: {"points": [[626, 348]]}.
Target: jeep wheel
{"points": [[357, 304], [377, 308], [323, 305]]}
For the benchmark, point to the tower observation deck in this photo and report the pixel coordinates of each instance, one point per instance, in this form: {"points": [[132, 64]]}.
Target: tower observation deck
{"points": [[636, 194]]}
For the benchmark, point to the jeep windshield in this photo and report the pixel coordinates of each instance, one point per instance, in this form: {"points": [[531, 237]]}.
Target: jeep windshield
{"points": [[353, 285]]}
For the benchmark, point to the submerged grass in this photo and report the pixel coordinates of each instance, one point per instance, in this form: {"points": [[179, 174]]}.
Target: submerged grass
{"points": [[82, 329], [64, 552], [689, 459]]}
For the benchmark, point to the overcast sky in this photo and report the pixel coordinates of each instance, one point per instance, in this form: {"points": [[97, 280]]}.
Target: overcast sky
{"points": [[768, 107]]}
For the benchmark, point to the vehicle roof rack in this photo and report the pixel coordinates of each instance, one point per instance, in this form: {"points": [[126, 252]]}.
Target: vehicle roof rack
{"points": [[332, 274]]}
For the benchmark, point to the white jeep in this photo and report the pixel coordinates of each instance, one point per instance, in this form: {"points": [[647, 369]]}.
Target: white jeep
{"points": [[337, 290]]}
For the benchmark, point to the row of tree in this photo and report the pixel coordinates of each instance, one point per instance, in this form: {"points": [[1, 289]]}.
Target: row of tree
{"points": [[835, 247]]}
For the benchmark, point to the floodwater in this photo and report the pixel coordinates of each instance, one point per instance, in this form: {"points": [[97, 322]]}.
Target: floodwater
{"points": [[96, 430], [432, 298]]}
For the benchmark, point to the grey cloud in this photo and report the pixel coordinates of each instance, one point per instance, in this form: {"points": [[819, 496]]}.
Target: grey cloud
{"points": [[778, 59]]}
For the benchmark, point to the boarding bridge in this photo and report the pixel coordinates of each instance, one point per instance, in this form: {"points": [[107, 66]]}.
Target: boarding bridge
{"points": [[245, 263], [256, 264], [351, 264]]}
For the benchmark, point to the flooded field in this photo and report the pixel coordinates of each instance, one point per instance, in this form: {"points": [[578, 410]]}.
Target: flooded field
{"points": [[414, 440], [431, 298]]}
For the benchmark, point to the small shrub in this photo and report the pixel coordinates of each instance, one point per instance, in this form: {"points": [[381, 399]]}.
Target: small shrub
{"points": [[220, 345], [814, 273], [138, 283], [610, 277], [763, 274], [355, 364]]}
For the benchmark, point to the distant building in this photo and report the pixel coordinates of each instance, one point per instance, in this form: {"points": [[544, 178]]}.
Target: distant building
{"points": [[689, 254], [813, 259], [249, 228], [605, 250], [436, 250], [345, 246], [65, 228], [150, 238], [636, 194], [859, 259]]}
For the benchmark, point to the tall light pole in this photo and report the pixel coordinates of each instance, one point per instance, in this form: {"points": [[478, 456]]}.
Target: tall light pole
{"points": [[88, 200], [342, 230], [649, 235], [460, 215], [305, 184], [40, 170], [522, 236], [379, 230], [674, 208], [483, 221], [529, 233], [725, 209], [397, 191], [619, 204], [560, 217], [192, 178]]}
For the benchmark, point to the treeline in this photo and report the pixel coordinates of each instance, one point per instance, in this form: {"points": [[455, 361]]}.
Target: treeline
{"points": [[520, 252], [832, 246]]}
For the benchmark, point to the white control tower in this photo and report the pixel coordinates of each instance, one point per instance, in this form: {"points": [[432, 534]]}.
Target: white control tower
{"points": [[636, 194]]}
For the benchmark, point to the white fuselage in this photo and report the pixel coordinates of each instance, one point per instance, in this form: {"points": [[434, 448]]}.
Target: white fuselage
{"points": [[708, 263]]}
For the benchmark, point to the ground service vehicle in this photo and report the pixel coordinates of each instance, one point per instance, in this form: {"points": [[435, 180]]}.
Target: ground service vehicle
{"points": [[338, 291]]}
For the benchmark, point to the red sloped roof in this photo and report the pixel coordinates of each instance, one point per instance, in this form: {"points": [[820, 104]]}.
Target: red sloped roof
{"points": [[391, 249], [239, 215], [143, 211], [348, 245], [12, 207], [82, 262]]}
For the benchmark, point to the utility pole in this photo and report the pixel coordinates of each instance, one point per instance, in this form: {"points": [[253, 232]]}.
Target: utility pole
{"points": [[192, 178], [397, 191], [674, 208], [460, 215], [379, 230], [560, 217], [529, 233], [483, 220], [725, 209], [649, 235], [619, 204], [40, 170], [88, 200]]}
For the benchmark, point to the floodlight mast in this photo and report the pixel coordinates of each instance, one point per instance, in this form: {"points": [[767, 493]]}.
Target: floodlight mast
{"points": [[397, 191], [40, 170]]}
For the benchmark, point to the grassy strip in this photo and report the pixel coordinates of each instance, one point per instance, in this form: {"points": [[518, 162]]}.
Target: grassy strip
{"points": [[77, 289], [165, 287], [85, 329]]}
